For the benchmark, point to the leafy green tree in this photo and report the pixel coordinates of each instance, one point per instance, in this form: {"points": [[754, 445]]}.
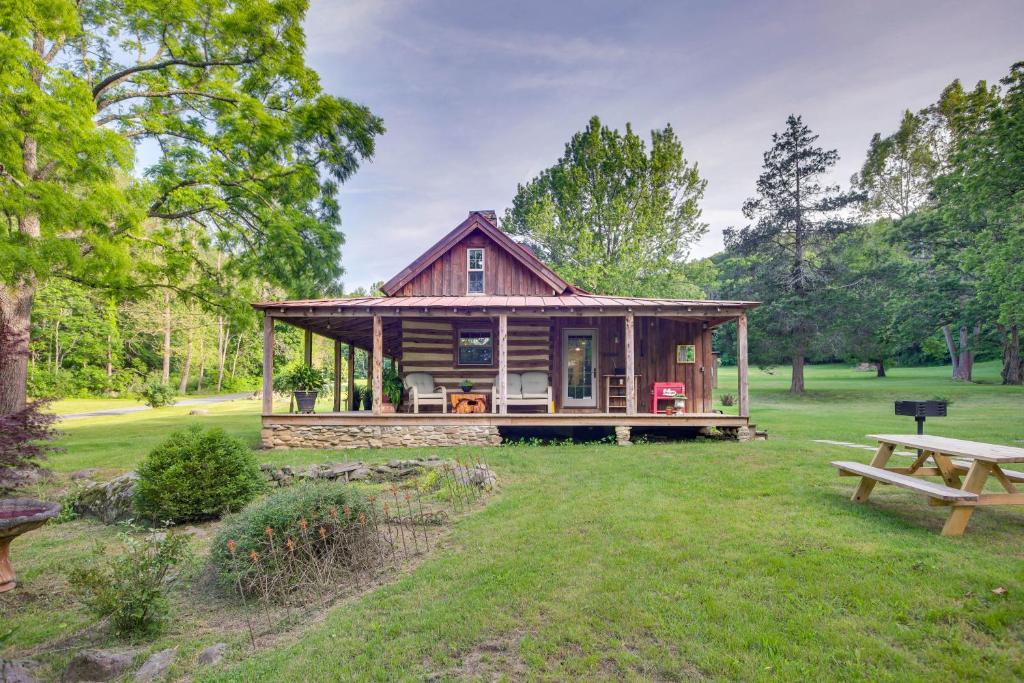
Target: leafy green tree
{"points": [[249, 151], [797, 220], [612, 216]]}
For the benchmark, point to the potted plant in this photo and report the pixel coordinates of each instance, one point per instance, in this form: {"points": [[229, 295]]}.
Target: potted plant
{"points": [[392, 389], [357, 397], [367, 394], [467, 385], [306, 382]]}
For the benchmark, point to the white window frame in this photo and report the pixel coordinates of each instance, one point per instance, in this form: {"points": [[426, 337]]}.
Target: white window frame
{"points": [[481, 270]]}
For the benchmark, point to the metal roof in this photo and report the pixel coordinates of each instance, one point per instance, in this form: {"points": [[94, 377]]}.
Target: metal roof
{"points": [[566, 301]]}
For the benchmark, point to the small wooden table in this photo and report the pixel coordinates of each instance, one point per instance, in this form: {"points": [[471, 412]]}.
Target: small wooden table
{"points": [[950, 458], [466, 402]]}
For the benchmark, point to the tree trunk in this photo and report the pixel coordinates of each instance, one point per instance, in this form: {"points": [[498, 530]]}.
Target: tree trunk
{"points": [[165, 376], [1013, 364], [879, 368], [222, 354], [110, 356], [947, 334], [238, 349], [796, 386], [183, 384], [202, 359], [16, 317]]}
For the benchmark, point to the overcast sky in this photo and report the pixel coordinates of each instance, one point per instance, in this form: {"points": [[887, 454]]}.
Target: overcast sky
{"points": [[479, 96]]}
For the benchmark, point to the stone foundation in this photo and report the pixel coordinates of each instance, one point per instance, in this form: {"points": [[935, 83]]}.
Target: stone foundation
{"points": [[378, 436], [622, 436]]}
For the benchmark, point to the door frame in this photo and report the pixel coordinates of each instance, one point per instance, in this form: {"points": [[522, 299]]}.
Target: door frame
{"points": [[564, 370]]}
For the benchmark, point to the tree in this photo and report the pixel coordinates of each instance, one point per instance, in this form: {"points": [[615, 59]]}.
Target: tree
{"points": [[797, 220], [249, 150], [611, 216]]}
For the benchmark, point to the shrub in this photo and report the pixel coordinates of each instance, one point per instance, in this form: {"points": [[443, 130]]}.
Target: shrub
{"points": [[158, 395], [304, 378], [196, 475], [728, 400], [331, 521], [129, 589]]}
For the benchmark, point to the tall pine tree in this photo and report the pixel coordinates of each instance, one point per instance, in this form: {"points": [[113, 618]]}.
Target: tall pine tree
{"points": [[797, 217]]}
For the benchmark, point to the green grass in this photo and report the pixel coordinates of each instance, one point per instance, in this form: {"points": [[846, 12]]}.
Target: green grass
{"points": [[739, 561]]}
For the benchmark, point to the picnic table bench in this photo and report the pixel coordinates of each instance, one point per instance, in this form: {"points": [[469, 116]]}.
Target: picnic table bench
{"points": [[947, 458]]}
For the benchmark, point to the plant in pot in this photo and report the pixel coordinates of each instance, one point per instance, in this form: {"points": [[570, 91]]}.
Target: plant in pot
{"points": [[306, 382], [367, 394], [392, 389], [467, 385], [357, 397]]}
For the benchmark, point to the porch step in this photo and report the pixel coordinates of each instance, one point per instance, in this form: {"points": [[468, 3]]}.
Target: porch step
{"points": [[928, 488]]}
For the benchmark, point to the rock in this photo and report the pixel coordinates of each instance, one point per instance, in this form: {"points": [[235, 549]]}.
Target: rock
{"points": [[157, 665], [476, 475], [213, 655], [199, 411], [359, 474], [97, 665], [12, 478], [14, 672], [109, 502], [83, 474]]}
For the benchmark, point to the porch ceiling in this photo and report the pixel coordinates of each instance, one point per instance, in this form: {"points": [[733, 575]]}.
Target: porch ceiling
{"points": [[355, 331]]}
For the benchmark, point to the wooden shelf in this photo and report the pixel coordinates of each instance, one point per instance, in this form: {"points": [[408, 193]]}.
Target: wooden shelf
{"points": [[615, 392]]}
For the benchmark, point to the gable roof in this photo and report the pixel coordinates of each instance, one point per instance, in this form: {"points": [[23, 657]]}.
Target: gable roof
{"points": [[482, 221]]}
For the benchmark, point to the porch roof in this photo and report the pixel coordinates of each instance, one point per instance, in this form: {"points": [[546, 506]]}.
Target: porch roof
{"points": [[585, 304]]}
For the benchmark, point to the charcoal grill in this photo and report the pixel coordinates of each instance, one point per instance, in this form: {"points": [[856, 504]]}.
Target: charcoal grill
{"points": [[919, 410]]}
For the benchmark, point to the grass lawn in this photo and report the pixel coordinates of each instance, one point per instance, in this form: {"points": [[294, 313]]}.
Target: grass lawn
{"points": [[662, 561]]}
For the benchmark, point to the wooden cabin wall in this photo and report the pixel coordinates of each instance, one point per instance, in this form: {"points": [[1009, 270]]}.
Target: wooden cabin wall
{"points": [[655, 341], [428, 345], [503, 275]]}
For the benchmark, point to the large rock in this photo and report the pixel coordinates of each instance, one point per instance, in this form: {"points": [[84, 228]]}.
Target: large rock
{"points": [[14, 672], [156, 666], [213, 655], [479, 475], [108, 502], [97, 665]]}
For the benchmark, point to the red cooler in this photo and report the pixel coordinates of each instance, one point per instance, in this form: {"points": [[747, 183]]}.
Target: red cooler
{"points": [[665, 391]]}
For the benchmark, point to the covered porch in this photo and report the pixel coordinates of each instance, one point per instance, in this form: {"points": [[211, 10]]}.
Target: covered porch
{"points": [[600, 357]]}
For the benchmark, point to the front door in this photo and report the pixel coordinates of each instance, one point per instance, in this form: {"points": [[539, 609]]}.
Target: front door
{"points": [[579, 368]]}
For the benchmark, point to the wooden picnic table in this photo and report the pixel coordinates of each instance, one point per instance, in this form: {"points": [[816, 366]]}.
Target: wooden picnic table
{"points": [[940, 456]]}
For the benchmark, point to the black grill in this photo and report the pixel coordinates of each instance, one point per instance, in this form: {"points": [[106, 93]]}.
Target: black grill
{"points": [[921, 408]]}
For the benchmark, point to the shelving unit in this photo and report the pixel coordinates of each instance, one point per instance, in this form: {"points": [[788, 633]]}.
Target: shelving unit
{"points": [[615, 392]]}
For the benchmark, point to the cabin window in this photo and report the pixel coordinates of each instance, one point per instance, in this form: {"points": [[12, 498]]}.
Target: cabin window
{"points": [[475, 271], [476, 347]]}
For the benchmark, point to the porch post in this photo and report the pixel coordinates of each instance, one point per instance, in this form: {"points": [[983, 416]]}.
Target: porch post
{"points": [[741, 365], [350, 399], [630, 365], [337, 376], [503, 362], [268, 365], [307, 348], [378, 363]]}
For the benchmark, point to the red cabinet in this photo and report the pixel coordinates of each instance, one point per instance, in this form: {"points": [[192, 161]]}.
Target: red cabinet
{"points": [[662, 392]]}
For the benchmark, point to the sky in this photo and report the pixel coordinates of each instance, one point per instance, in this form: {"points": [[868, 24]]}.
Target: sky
{"points": [[480, 96]]}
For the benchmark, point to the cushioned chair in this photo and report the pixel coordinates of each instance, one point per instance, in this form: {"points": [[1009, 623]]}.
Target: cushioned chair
{"points": [[524, 389], [422, 391]]}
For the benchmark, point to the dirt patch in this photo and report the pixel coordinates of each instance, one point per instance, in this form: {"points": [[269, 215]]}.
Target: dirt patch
{"points": [[497, 659]]}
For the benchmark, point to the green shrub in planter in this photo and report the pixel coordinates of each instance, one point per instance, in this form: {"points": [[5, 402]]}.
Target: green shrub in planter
{"points": [[158, 395], [196, 475], [333, 519]]}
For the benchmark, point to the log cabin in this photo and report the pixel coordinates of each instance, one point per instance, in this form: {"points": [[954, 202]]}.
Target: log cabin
{"points": [[540, 352]]}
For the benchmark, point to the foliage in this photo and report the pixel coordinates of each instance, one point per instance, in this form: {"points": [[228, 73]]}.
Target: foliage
{"points": [[391, 382], [195, 475], [727, 399], [304, 377], [797, 220], [248, 152], [158, 395], [297, 512], [611, 216], [130, 588]]}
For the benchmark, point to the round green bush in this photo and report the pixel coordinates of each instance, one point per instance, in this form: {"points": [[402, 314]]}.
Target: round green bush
{"points": [[307, 512], [196, 475]]}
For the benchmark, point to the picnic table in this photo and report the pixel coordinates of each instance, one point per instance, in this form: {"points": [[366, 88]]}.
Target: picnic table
{"points": [[940, 456]]}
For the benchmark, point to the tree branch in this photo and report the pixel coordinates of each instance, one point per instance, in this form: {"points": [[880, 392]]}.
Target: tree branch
{"points": [[119, 76]]}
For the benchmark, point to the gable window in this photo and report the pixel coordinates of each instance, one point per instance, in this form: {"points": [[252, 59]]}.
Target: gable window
{"points": [[475, 271], [476, 347]]}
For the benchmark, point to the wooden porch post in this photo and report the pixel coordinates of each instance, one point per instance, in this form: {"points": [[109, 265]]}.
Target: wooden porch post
{"points": [[378, 363], [630, 365], [741, 365], [351, 377], [337, 376], [268, 365], [503, 362], [307, 348]]}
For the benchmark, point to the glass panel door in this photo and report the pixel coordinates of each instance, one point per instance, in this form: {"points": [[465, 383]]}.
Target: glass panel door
{"points": [[579, 369]]}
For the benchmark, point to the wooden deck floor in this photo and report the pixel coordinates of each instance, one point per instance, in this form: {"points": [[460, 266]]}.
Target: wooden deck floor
{"points": [[510, 420]]}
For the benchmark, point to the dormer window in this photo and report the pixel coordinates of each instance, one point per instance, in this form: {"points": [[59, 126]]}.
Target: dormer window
{"points": [[475, 271]]}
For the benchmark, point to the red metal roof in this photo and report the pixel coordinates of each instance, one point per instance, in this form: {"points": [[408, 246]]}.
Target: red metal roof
{"points": [[565, 301]]}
